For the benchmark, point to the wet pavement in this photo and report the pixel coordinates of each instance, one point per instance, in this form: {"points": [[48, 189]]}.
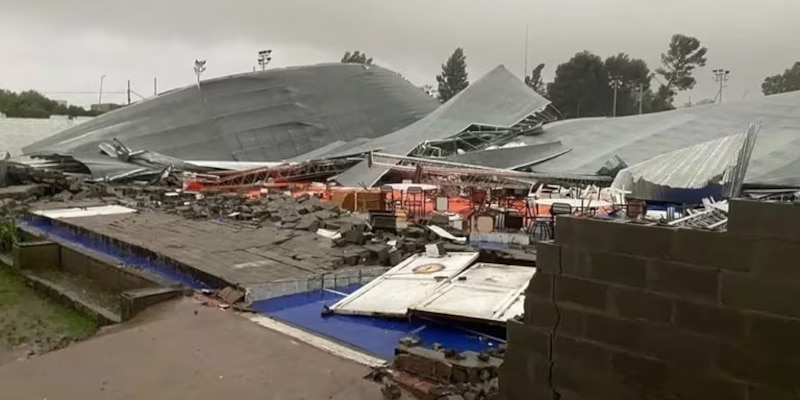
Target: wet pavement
{"points": [[183, 349]]}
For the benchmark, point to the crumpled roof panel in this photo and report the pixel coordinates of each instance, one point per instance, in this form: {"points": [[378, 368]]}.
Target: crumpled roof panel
{"points": [[511, 157], [498, 99], [638, 138], [263, 116]]}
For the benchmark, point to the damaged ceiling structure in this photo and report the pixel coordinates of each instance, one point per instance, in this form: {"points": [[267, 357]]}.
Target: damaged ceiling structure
{"points": [[348, 111]]}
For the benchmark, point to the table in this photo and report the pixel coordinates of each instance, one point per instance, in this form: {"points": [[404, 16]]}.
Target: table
{"points": [[574, 203], [403, 187]]}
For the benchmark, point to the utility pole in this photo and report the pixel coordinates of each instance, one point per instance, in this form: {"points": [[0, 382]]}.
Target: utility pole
{"points": [[641, 97], [199, 68], [100, 97], [526, 51], [615, 83], [721, 76], [155, 86], [264, 58], [129, 92]]}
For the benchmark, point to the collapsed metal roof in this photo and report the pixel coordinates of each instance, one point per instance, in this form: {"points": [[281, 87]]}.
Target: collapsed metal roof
{"points": [[263, 116], [497, 100], [775, 159], [712, 169]]}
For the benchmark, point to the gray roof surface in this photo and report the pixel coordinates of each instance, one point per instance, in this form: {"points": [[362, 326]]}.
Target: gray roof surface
{"points": [[498, 99], [511, 157], [263, 116], [775, 158]]}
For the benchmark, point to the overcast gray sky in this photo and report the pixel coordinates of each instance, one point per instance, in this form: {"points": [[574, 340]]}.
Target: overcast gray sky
{"points": [[64, 46]]}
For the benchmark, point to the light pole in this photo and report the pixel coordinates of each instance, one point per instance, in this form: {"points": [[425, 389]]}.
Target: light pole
{"points": [[199, 68], [721, 76], [264, 58], [100, 97], [616, 82]]}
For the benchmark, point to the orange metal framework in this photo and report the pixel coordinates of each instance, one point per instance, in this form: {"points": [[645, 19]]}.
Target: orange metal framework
{"points": [[289, 172]]}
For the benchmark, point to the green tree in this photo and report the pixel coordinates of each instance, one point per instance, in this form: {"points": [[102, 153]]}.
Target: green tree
{"points": [[534, 80], [788, 81], [356, 57], [685, 53], [581, 87], [634, 76], [453, 78], [32, 104]]}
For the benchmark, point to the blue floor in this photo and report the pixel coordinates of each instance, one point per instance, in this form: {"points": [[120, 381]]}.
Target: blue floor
{"points": [[118, 254], [377, 336]]}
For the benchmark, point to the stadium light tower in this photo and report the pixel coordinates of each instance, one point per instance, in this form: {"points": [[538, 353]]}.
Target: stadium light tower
{"points": [[721, 76], [264, 58], [199, 68], [100, 97]]}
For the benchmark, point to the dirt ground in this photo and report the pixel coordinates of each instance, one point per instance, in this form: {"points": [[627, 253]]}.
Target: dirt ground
{"points": [[31, 324], [184, 350]]}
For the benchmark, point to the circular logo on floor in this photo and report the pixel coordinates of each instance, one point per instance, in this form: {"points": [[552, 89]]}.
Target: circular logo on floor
{"points": [[428, 268]]}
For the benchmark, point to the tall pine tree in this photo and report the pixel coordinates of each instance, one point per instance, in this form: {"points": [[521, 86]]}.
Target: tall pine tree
{"points": [[453, 78]]}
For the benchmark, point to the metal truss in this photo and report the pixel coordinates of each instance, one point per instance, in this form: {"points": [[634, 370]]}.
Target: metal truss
{"points": [[712, 218], [289, 172], [446, 173]]}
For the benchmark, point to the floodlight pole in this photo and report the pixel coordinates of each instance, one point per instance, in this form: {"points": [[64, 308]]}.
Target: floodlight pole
{"points": [[721, 76], [199, 68], [264, 58], [100, 97]]}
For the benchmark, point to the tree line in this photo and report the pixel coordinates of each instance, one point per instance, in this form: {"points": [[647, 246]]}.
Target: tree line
{"points": [[32, 104], [584, 86]]}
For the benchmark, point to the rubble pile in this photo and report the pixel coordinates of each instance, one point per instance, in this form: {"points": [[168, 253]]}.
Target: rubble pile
{"points": [[440, 374]]}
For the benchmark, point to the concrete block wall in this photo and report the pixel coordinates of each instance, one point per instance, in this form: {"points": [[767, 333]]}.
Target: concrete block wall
{"points": [[630, 311]]}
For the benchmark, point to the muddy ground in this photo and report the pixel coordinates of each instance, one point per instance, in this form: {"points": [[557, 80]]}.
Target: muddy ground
{"points": [[31, 324]]}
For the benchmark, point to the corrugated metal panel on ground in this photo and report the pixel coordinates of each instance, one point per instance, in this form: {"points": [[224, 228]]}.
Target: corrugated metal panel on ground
{"points": [[410, 281], [485, 292]]}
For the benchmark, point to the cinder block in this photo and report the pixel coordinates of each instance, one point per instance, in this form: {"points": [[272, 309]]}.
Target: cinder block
{"points": [[685, 384], [641, 374], [764, 219], [776, 259], [581, 292], [586, 383], [683, 280], [541, 285], [615, 332], [762, 392], [540, 312], [748, 292], [548, 257], [528, 338], [583, 232], [775, 338], [640, 239], [523, 375], [575, 262], [576, 351], [743, 364], [619, 269], [572, 321], [713, 249], [640, 305], [711, 320], [689, 352]]}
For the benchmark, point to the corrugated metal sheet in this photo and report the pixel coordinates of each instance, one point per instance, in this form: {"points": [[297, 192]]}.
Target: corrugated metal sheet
{"points": [[484, 292], [512, 157], [498, 99], [264, 116], [775, 159], [710, 169], [404, 285]]}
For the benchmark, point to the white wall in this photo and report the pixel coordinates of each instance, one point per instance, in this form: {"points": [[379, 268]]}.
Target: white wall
{"points": [[16, 133]]}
